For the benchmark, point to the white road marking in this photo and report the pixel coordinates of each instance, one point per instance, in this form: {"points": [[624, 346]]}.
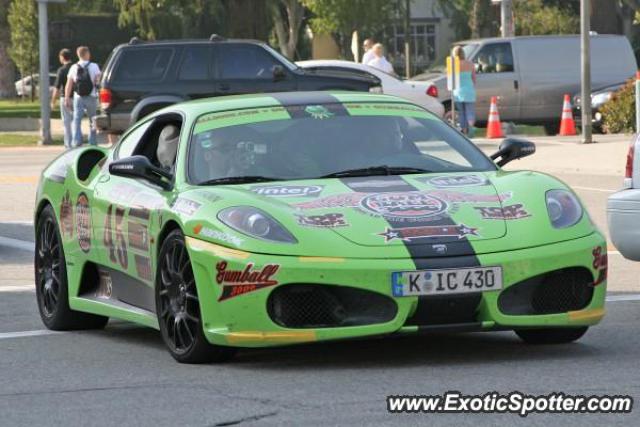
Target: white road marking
{"points": [[16, 222], [22, 245], [623, 297], [36, 333], [603, 190], [18, 288]]}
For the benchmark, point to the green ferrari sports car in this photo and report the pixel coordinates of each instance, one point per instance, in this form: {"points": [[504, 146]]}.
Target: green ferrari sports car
{"points": [[286, 218]]}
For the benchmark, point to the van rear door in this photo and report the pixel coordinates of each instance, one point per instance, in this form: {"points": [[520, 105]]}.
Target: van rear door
{"points": [[497, 75]]}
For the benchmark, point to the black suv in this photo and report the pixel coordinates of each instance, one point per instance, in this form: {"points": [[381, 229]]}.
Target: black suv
{"points": [[142, 77]]}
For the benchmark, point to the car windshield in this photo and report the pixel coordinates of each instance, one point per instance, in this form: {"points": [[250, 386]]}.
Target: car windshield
{"points": [[290, 65], [327, 140]]}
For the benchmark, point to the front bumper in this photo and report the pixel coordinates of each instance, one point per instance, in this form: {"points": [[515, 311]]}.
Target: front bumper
{"points": [[596, 117], [623, 216], [244, 320]]}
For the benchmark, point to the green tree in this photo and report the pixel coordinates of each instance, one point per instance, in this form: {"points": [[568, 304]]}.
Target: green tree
{"points": [[458, 12], [287, 16], [342, 17], [23, 22], [471, 18], [158, 19], [7, 73], [140, 13], [534, 18]]}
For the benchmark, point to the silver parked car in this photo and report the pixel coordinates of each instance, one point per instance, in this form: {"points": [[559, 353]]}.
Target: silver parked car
{"points": [[24, 85], [623, 208], [530, 74]]}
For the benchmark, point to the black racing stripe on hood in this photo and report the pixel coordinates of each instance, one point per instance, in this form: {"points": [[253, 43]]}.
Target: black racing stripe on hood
{"points": [[431, 310], [296, 103]]}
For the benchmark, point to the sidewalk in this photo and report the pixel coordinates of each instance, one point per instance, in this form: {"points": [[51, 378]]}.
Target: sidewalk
{"points": [[565, 154], [56, 130]]}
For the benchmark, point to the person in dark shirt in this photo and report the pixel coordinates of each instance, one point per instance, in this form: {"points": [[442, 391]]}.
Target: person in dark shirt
{"points": [[58, 94]]}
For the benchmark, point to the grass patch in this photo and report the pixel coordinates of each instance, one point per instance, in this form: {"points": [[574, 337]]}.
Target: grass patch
{"points": [[528, 130], [10, 108], [20, 140]]}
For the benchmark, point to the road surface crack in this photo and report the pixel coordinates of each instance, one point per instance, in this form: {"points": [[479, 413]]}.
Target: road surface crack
{"points": [[245, 419]]}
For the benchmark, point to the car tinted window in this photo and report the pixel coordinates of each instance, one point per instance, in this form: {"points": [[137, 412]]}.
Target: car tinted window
{"points": [[143, 64], [310, 141], [195, 63], [495, 58], [129, 142], [245, 62]]}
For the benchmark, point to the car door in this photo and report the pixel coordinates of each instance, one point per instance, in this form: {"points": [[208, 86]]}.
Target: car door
{"points": [[127, 215], [497, 75], [248, 68], [194, 74]]}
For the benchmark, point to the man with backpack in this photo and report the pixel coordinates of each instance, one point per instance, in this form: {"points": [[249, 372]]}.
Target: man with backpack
{"points": [[81, 94]]}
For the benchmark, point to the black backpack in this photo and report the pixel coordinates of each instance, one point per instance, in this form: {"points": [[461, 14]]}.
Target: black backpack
{"points": [[83, 85]]}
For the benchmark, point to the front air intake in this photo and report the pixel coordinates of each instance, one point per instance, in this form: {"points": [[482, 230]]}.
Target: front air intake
{"points": [[325, 306], [554, 292]]}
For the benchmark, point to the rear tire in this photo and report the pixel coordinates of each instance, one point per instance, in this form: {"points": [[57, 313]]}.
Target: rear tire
{"points": [[178, 307], [551, 335], [52, 291], [551, 129]]}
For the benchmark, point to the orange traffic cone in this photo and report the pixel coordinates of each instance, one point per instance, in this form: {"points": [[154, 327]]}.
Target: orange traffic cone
{"points": [[567, 125], [494, 127]]}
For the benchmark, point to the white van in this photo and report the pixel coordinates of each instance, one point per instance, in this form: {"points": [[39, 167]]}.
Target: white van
{"points": [[531, 74]]}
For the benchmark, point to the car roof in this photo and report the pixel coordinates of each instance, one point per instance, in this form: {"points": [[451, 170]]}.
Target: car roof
{"points": [[277, 99], [538, 37], [135, 43]]}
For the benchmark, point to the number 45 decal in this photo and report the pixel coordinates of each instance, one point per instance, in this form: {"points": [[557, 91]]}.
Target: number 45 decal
{"points": [[116, 243]]}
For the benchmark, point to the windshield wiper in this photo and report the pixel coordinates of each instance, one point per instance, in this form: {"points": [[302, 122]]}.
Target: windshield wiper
{"points": [[238, 180], [376, 170]]}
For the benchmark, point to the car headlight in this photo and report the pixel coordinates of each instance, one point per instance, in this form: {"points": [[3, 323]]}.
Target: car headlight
{"points": [[564, 208], [600, 98], [255, 223]]}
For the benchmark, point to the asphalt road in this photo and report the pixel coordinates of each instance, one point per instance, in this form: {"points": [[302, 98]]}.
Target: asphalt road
{"points": [[124, 376]]}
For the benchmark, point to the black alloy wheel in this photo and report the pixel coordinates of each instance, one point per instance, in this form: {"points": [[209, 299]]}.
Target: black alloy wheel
{"points": [[51, 280], [178, 306]]}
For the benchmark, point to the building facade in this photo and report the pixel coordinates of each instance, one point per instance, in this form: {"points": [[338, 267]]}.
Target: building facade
{"points": [[431, 35]]}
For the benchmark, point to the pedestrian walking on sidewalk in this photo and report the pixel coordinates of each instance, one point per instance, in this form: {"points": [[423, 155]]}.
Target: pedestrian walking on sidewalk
{"points": [[464, 95], [81, 94], [379, 61], [58, 95]]}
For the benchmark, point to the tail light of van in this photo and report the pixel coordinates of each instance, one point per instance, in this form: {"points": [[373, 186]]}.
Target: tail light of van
{"points": [[105, 98], [628, 170], [432, 91]]}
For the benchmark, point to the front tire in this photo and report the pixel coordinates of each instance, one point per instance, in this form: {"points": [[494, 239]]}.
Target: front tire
{"points": [[178, 306], [52, 290], [551, 335]]}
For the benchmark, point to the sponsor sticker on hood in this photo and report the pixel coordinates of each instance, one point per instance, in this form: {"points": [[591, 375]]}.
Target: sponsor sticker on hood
{"points": [[288, 190]]}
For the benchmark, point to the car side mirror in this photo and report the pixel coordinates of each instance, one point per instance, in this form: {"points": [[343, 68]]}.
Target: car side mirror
{"points": [[141, 167], [512, 149], [278, 73]]}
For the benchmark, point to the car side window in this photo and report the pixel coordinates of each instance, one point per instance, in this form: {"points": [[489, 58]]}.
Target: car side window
{"points": [[143, 64], [194, 64], [495, 58], [130, 141], [245, 62]]}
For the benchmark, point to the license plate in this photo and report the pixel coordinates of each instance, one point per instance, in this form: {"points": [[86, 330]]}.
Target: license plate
{"points": [[446, 281]]}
